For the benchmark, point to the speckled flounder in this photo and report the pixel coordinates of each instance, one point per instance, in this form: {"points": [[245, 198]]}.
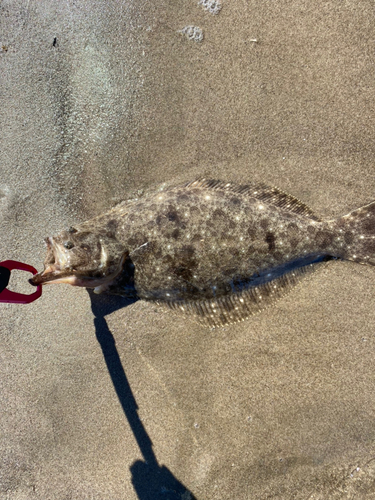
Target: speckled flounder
{"points": [[209, 248]]}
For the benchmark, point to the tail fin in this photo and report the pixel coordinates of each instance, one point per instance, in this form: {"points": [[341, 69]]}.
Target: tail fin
{"points": [[356, 232]]}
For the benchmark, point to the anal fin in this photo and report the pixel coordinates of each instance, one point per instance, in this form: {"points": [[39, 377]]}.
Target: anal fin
{"points": [[236, 307]]}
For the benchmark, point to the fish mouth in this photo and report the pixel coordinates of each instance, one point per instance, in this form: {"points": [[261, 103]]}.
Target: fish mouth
{"points": [[52, 274], [52, 270]]}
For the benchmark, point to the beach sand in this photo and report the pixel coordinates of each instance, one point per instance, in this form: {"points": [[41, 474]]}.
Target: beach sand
{"points": [[105, 400]]}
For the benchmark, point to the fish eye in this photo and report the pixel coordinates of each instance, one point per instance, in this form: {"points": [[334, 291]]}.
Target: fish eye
{"points": [[68, 245], [72, 230]]}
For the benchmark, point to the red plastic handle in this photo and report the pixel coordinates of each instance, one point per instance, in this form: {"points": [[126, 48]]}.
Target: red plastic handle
{"points": [[19, 298]]}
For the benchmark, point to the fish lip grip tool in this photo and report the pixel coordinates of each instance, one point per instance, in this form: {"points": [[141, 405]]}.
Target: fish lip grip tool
{"points": [[12, 297]]}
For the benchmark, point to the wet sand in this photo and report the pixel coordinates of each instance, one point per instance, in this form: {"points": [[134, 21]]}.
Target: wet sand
{"points": [[106, 400]]}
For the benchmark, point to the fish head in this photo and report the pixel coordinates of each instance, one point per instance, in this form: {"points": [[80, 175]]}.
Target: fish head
{"points": [[82, 258]]}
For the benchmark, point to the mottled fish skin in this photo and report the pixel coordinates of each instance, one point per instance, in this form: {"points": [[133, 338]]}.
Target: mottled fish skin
{"points": [[218, 250]]}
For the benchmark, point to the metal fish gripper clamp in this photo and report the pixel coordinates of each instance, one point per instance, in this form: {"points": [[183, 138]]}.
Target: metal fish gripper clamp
{"points": [[13, 297]]}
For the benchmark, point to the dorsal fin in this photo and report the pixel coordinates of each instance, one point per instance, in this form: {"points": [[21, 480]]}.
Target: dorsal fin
{"points": [[269, 195], [237, 307]]}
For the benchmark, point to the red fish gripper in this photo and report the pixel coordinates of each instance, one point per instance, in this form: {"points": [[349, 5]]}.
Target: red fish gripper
{"points": [[13, 297]]}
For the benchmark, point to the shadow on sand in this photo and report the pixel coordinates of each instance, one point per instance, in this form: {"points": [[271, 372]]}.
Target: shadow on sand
{"points": [[151, 481]]}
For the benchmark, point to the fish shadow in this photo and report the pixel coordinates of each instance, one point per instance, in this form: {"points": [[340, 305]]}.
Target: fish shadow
{"points": [[151, 481]]}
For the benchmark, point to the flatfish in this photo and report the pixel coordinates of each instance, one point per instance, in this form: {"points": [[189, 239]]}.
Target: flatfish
{"points": [[208, 248]]}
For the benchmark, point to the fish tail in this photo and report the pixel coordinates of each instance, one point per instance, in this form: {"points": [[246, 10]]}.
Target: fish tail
{"points": [[356, 235]]}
